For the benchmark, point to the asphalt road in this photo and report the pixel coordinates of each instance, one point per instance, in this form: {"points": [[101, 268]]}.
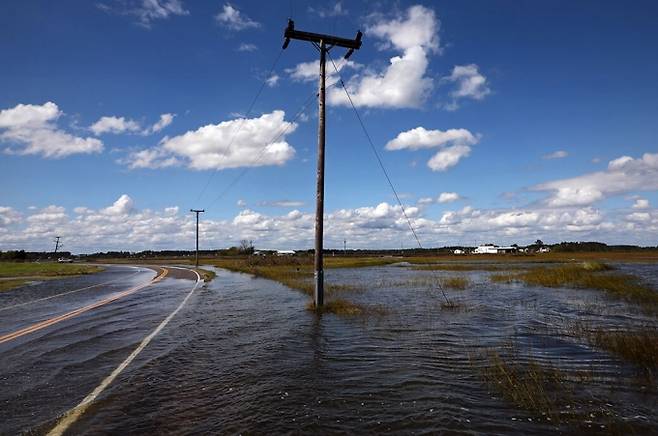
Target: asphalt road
{"points": [[63, 342]]}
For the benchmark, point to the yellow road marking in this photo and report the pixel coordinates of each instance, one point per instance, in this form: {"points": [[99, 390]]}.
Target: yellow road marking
{"points": [[65, 293], [74, 414], [43, 324]]}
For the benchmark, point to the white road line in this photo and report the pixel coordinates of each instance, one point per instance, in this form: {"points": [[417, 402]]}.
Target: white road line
{"points": [[65, 293], [74, 414]]}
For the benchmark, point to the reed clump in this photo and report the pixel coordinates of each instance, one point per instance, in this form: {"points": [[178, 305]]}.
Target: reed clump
{"points": [[454, 306], [527, 384], [638, 345], [343, 307], [502, 278], [459, 283]]}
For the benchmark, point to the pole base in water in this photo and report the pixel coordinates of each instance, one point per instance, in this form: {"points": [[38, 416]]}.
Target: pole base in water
{"points": [[318, 297]]}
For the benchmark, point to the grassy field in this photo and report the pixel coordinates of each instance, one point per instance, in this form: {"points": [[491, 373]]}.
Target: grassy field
{"points": [[15, 274]]}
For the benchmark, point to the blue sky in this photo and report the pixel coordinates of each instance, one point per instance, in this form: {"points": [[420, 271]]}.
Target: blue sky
{"points": [[534, 121]]}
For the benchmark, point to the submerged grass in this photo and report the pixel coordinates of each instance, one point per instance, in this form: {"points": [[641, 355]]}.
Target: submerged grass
{"points": [[206, 275], [343, 307], [527, 384], [591, 275], [468, 267], [456, 282], [638, 346], [558, 396], [297, 273]]}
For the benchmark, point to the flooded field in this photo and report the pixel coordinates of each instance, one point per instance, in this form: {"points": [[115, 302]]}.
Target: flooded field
{"points": [[245, 356]]}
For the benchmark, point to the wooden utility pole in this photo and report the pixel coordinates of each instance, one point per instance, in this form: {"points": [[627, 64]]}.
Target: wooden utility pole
{"points": [[323, 43], [57, 238], [196, 257]]}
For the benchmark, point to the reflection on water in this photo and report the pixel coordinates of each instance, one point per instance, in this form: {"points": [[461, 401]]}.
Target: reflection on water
{"points": [[245, 357]]}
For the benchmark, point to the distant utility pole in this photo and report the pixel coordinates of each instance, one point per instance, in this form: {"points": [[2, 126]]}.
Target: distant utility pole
{"points": [[323, 43], [196, 257], [57, 238], [345, 246]]}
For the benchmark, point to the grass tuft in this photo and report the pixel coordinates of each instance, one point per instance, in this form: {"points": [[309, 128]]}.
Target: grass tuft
{"points": [[459, 283], [638, 346], [206, 275], [526, 383], [343, 307]]}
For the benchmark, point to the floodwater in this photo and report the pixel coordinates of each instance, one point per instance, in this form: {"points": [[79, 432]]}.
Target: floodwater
{"points": [[244, 356]]}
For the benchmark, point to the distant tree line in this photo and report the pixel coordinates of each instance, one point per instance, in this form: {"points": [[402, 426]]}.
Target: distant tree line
{"points": [[22, 255], [246, 247]]}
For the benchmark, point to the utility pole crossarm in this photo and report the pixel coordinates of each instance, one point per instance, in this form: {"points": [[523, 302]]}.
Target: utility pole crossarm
{"points": [[329, 40]]}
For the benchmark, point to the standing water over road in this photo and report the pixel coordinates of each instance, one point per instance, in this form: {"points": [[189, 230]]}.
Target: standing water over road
{"points": [[245, 357]]}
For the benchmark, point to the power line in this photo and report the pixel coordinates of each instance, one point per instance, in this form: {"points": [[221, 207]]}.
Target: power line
{"points": [[261, 152], [381, 164], [246, 116], [379, 160]]}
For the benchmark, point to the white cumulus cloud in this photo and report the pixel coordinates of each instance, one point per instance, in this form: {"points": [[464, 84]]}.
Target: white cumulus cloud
{"points": [[469, 83], [403, 84], [459, 141], [247, 47], [112, 124], [124, 226], [233, 19], [230, 144], [624, 174], [448, 197], [559, 154], [117, 125], [146, 11], [32, 130]]}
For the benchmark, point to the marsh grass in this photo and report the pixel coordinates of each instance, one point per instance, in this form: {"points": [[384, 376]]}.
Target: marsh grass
{"points": [[6, 285], [638, 345], [46, 269], [590, 275], [503, 278], [468, 267], [527, 384], [17, 274], [459, 283], [343, 307]]}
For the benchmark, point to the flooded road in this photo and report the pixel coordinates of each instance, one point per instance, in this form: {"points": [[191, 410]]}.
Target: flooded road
{"points": [[244, 356]]}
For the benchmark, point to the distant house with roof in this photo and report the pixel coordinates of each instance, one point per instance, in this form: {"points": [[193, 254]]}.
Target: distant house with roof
{"points": [[494, 249]]}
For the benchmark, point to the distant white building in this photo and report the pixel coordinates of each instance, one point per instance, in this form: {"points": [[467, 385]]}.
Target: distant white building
{"points": [[285, 252], [544, 249], [493, 249], [458, 251]]}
